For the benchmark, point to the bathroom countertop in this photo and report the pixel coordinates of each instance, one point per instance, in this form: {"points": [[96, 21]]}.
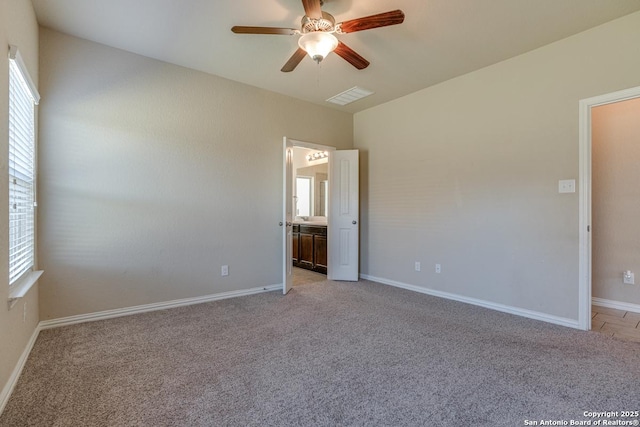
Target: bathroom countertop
{"points": [[299, 222], [312, 220]]}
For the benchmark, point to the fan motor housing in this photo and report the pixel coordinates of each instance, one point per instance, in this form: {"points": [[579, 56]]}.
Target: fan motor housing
{"points": [[326, 23]]}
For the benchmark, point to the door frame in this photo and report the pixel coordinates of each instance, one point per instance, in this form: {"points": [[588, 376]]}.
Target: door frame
{"points": [[585, 201], [312, 146]]}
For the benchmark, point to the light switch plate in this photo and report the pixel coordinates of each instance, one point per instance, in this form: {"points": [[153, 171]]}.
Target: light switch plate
{"points": [[567, 186]]}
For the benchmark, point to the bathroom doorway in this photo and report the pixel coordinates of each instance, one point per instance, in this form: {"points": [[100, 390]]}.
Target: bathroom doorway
{"points": [[320, 211], [310, 221], [606, 121]]}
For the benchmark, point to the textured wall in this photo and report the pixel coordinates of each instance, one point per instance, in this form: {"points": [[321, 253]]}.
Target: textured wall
{"points": [[466, 173], [18, 27], [616, 199], [153, 176]]}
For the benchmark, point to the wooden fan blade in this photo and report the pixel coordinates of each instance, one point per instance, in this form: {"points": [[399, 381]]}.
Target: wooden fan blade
{"points": [[351, 56], [263, 30], [312, 8], [295, 59], [374, 21]]}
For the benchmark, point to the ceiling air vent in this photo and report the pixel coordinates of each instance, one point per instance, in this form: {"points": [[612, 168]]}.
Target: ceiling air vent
{"points": [[349, 96]]}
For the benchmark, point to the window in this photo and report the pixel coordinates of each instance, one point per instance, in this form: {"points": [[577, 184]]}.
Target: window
{"points": [[23, 98], [304, 195]]}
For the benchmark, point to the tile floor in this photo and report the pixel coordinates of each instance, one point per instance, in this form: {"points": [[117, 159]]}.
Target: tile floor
{"points": [[304, 277], [620, 324]]}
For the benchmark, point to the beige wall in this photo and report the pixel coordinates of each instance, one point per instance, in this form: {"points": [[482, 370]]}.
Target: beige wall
{"points": [[152, 176], [616, 199], [17, 27], [466, 173]]}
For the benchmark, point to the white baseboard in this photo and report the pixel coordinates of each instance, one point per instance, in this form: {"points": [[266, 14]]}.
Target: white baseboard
{"points": [[127, 311], [108, 314], [563, 321], [626, 306], [13, 379]]}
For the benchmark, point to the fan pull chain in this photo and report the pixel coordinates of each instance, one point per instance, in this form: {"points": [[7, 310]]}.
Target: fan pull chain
{"points": [[318, 76]]}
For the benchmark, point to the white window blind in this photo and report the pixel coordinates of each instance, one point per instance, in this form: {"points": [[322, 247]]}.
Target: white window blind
{"points": [[22, 100]]}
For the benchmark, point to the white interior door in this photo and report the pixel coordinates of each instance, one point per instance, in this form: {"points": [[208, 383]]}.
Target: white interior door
{"points": [[344, 210], [287, 221]]}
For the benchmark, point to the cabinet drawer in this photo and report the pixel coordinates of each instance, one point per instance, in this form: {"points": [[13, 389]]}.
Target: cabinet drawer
{"points": [[314, 229]]}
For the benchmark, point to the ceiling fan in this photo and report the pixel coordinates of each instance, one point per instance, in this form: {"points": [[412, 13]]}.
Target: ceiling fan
{"points": [[317, 34]]}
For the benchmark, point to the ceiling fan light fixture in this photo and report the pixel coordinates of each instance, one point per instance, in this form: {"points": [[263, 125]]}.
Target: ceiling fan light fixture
{"points": [[318, 44]]}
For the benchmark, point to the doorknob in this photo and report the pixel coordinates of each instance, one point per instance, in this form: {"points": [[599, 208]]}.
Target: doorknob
{"points": [[354, 222]]}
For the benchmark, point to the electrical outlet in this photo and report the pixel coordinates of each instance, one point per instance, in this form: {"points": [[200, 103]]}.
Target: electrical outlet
{"points": [[438, 269], [224, 270], [628, 278], [417, 265], [567, 186]]}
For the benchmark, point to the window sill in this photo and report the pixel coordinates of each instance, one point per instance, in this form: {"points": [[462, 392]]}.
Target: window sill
{"points": [[20, 289]]}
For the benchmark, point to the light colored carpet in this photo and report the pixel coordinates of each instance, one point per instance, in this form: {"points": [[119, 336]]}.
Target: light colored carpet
{"points": [[328, 354]]}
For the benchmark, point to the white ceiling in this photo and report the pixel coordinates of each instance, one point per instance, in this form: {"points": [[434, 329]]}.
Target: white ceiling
{"points": [[439, 39]]}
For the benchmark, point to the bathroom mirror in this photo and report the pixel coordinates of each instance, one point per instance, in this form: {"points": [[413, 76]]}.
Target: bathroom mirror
{"points": [[304, 196], [312, 190]]}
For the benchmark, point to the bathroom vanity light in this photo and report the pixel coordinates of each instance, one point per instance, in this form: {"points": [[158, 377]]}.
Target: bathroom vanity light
{"points": [[317, 156]]}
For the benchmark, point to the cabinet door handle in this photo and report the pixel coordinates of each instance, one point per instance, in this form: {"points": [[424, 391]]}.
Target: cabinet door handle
{"points": [[280, 223], [289, 224], [354, 222]]}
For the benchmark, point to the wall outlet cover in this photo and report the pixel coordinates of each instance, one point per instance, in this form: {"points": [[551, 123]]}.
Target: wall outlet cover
{"points": [[567, 186], [629, 279]]}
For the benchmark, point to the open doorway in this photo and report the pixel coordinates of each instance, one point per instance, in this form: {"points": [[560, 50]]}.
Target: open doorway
{"points": [[305, 237], [310, 209], [609, 208], [324, 244]]}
